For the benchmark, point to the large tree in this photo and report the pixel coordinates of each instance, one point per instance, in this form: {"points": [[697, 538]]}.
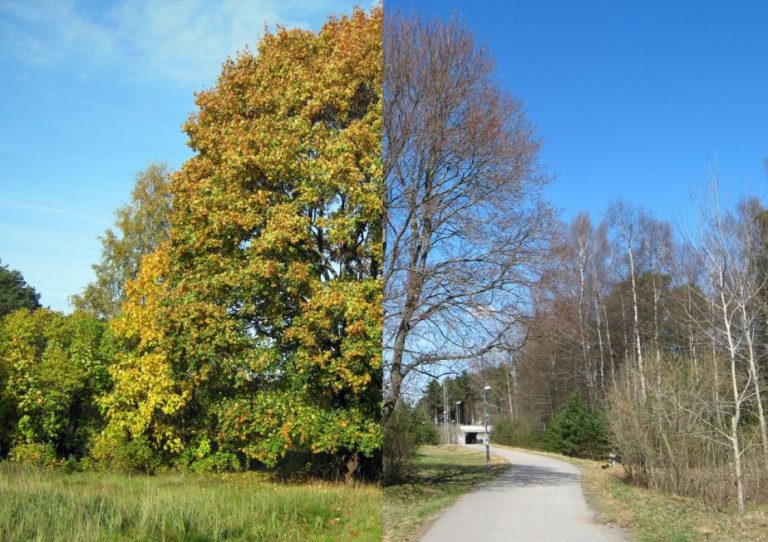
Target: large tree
{"points": [[464, 223], [257, 326], [15, 293], [141, 226]]}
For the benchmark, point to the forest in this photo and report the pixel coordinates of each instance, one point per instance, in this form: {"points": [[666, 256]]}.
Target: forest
{"points": [[643, 339]]}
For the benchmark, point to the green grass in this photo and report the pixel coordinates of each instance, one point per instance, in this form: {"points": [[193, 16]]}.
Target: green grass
{"points": [[440, 476], [37, 505]]}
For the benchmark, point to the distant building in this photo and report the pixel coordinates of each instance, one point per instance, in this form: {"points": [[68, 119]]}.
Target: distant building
{"points": [[473, 434]]}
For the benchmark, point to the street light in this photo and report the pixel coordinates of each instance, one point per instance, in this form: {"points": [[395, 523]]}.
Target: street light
{"points": [[487, 434], [458, 420]]}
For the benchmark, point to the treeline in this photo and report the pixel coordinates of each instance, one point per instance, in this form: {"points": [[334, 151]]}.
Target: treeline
{"points": [[668, 332], [54, 368], [235, 319], [576, 428], [662, 334]]}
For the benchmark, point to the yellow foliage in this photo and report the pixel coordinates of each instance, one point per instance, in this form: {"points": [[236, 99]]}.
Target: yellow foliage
{"points": [[263, 300]]}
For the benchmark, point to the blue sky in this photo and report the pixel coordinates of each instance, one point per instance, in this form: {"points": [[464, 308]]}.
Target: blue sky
{"points": [[91, 93], [633, 100]]}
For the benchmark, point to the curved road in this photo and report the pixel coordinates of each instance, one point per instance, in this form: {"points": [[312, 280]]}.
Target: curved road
{"points": [[538, 499]]}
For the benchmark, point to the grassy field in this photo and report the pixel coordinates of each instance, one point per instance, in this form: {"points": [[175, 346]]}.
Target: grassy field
{"points": [[649, 516], [441, 475], [53, 505]]}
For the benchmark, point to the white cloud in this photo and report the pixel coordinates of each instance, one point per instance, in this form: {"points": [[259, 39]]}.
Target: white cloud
{"points": [[180, 40]]}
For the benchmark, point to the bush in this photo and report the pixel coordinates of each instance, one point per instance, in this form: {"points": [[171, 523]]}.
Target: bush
{"points": [[518, 432], [400, 443], [578, 431], [52, 369], [677, 439], [6, 409], [37, 454], [424, 431], [217, 462], [71, 465], [405, 431], [298, 465], [127, 455]]}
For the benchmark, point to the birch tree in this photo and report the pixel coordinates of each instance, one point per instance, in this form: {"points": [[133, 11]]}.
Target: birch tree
{"points": [[624, 219]]}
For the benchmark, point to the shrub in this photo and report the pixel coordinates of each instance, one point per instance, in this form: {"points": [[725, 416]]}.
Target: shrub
{"points": [[518, 432], [405, 431], [425, 432], [52, 369], [37, 454], [217, 462], [127, 455], [677, 439], [400, 443], [577, 430], [71, 465]]}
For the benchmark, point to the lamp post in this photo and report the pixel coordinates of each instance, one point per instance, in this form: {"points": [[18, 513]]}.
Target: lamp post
{"points": [[458, 420], [446, 430], [487, 434]]}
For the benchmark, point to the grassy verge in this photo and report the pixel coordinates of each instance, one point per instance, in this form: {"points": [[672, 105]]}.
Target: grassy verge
{"points": [[649, 516], [652, 516], [52, 506], [441, 475]]}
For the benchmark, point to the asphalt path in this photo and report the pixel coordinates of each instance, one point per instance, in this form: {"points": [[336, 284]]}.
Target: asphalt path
{"points": [[538, 499]]}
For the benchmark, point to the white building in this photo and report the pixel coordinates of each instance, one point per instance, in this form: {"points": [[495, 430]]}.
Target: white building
{"points": [[473, 434]]}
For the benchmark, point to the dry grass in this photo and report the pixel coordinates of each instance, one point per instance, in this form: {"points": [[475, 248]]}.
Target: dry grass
{"points": [[654, 516]]}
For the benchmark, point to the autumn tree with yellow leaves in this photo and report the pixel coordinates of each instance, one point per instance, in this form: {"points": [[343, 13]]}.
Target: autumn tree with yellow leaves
{"points": [[255, 330]]}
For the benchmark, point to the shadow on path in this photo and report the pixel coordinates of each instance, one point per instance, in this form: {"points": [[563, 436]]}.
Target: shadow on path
{"points": [[442, 473], [529, 476]]}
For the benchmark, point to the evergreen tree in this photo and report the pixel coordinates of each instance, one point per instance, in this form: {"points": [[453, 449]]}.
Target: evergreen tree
{"points": [[577, 430], [15, 293]]}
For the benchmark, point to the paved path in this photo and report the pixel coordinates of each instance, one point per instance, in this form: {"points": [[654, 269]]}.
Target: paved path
{"points": [[538, 499]]}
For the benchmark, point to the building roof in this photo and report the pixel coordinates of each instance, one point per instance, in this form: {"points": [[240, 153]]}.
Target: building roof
{"points": [[474, 428]]}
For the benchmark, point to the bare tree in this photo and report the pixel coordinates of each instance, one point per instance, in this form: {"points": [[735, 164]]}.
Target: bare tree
{"points": [[464, 220], [748, 281], [625, 219], [721, 252], [601, 263], [658, 251], [581, 238]]}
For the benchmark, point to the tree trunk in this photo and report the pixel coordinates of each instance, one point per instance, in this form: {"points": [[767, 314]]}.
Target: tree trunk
{"points": [[736, 417], [636, 326], [755, 375], [600, 346], [352, 464], [611, 359]]}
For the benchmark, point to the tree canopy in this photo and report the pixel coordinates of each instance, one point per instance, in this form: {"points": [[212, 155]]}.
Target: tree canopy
{"points": [[255, 329]]}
